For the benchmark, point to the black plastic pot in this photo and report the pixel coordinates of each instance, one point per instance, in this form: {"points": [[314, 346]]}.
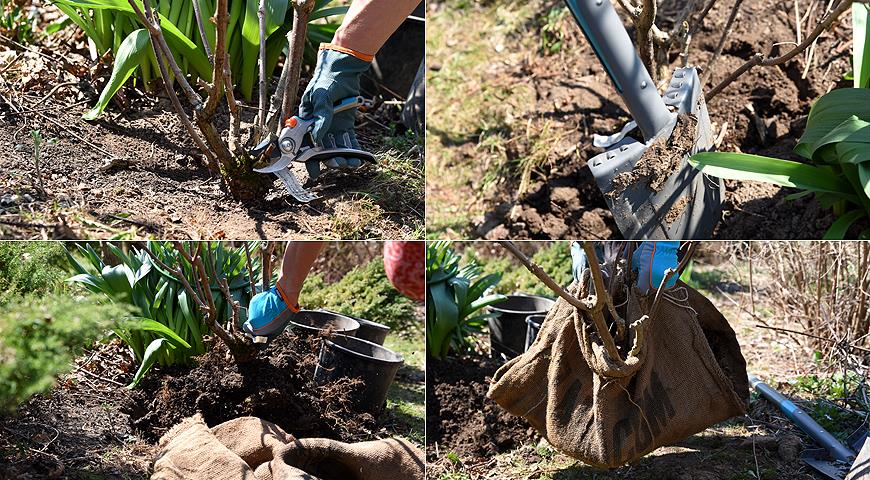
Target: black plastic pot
{"points": [[368, 330], [507, 332], [372, 331], [315, 322], [533, 326], [376, 366]]}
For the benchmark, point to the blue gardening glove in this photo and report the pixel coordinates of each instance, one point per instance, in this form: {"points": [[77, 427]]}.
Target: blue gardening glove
{"points": [[335, 78], [651, 260], [266, 314], [579, 262]]}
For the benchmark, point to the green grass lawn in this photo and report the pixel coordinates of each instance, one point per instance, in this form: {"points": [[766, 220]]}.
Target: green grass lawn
{"points": [[406, 407]]}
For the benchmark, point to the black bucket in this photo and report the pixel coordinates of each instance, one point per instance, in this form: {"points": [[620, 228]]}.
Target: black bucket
{"points": [[533, 326], [376, 366], [368, 330], [372, 331], [315, 322], [507, 332]]}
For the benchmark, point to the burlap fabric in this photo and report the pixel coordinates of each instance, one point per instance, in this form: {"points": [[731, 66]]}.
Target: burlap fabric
{"points": [[611, 411], [251, 448]]}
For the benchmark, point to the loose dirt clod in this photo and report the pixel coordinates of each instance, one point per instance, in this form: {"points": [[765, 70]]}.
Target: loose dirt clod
{"points": [[661, 159], [677, 209]]}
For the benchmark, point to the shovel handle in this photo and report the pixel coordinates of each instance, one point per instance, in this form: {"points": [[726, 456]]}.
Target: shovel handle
{"points": [[837, 450], [607, 36]]}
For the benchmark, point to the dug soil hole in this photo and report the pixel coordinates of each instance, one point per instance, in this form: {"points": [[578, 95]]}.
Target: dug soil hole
{"points": [[277, 386]]}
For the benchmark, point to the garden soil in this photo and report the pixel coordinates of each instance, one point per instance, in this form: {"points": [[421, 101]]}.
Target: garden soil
{"points": [[90, 424], [573, 92], [459, 417]]}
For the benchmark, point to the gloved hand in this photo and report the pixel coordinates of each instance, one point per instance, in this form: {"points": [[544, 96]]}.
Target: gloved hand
{"points": [[651, 260], [336, 77], [579, 262], [269, 314]]}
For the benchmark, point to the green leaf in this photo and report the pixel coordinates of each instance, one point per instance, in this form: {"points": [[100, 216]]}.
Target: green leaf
{"points": [[58, 25], [328, 12], [831, 110], [85, 24], [275, 12], [94, 283], [856, 147], [838, 229], [742, 166], [864, 177], [180, 45], [798, 195], [150, 325], [119, 280], [155, 348], [445, 319], [851, 130], [127, 60], [861, 45]]}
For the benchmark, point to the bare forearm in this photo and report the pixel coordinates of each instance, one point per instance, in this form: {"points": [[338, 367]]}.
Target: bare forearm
{"points": [[369, 23], [298, 259]]}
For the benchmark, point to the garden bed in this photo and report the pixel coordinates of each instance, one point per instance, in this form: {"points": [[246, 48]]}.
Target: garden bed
{"points": [[135, 172], [524, 108]]}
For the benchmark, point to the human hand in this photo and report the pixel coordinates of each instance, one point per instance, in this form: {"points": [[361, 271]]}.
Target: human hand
{"points": [[336, 77]]}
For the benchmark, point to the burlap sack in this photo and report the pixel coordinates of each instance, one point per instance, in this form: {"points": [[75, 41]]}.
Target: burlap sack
{"points": [[375, 460], [255, 440], [608, 412], [190, 451], [251, 448]]}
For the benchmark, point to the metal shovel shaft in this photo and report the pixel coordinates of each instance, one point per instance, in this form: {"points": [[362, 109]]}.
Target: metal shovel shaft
{"points": [[837, 450], [605, 32]]}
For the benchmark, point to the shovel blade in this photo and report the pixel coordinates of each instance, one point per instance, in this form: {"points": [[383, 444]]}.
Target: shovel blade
{"points": [[820, 460], [688, 204]]}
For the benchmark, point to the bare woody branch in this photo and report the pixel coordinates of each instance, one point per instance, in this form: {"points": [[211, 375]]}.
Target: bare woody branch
{"points": [[301, 14], [726, 32], [153, 34], [250, 268], [760, 60], [592, 307], [197, 10], [264, 84], [220, 59], [645, 20], [179, 276]]}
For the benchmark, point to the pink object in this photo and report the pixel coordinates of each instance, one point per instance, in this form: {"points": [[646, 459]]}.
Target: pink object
{"points": [[404, 264]]}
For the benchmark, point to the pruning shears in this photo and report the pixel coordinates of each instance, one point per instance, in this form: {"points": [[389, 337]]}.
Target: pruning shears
{"points": [[296, 144]]}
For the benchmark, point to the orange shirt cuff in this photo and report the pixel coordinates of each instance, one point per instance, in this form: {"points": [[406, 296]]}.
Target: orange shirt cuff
{"points": [[293, 308], [338, 48]]}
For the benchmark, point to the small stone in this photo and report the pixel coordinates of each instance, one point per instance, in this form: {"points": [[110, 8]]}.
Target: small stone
{"points": [[790, 447], [515, 213]]}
